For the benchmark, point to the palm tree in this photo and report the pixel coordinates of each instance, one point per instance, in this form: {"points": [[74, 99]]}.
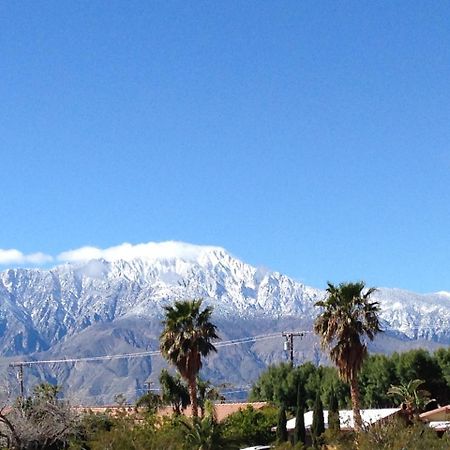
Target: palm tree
{"points": [[413, 399], [150, 401], [206, 392], [173, 391], [186, 337], [206, 433], [348, 317]]}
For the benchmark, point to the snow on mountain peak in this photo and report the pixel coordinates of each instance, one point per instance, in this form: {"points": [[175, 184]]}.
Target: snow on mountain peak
{"points": [[168, 250], [117, 295], [443, 294], [103, 284]]}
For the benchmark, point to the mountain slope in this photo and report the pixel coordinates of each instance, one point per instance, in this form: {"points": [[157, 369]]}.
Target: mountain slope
{"points": [[108, 307]]}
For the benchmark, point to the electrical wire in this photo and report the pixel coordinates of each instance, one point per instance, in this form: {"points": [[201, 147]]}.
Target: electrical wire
{"points": [[238, 341]]}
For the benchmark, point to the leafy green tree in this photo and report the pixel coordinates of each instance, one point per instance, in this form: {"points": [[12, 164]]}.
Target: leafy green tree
{"points": [[347, 317], [333, 436], [419, 364], [187, 337], [282, 434], [334, 423], [313, 384], [299, 431], [377, 375], [318, 422], [173, 391], [250, 426], [327, 381], [277, 384], [150, 401], [442, 357]]}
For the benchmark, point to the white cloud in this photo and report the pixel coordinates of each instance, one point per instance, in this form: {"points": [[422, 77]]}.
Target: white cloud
{"points": [[126, 251], [81, 254], [13, 256]]}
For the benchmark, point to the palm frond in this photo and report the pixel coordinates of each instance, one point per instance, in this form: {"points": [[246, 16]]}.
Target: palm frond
{"points": [[347, 317]]}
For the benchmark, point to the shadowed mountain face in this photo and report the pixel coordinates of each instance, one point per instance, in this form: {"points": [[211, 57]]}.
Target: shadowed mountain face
{"points": [[111, 307]]}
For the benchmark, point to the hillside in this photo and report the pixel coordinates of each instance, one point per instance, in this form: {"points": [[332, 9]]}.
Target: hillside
{"points": [[101, 307]]}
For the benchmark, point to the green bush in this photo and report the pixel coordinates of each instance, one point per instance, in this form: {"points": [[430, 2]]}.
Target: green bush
{"points": [[251, 427], [289, 446], [396, 435], [124, 433]]}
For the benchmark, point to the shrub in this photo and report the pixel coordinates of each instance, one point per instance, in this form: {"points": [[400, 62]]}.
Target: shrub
{"points": [[250, 427], [396, 434]]}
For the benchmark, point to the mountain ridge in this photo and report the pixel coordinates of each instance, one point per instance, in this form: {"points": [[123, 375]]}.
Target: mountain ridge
{"points": [[81, 307]]}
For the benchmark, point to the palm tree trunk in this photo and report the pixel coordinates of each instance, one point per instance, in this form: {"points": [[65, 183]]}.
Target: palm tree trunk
{"points": [[193, 395], [354, 393]]}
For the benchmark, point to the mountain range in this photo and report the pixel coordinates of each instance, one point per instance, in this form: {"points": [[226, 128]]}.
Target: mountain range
{"points": [[114, 306]]}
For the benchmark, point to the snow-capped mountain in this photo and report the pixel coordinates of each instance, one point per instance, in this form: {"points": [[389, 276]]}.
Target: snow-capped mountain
{"points": [[115, 304]]}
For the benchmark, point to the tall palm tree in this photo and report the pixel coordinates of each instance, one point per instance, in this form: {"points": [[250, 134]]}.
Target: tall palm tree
{"points": [[186, 337], [348, 316]]}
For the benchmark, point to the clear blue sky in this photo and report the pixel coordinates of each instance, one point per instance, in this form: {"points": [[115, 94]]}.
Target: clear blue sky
{"points": [[309, 137]]}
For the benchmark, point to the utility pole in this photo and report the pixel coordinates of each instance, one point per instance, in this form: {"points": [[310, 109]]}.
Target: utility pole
{"points": [[289, 343], [148, 386], [20, 378]]}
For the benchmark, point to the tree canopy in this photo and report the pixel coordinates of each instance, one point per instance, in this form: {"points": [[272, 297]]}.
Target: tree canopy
{"points": [[347, 317], [187, 337]]}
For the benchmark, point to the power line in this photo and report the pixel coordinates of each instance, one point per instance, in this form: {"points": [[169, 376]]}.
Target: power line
{"points": [[247, 340], [20, 365], [86, 359], [237, 341]]}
